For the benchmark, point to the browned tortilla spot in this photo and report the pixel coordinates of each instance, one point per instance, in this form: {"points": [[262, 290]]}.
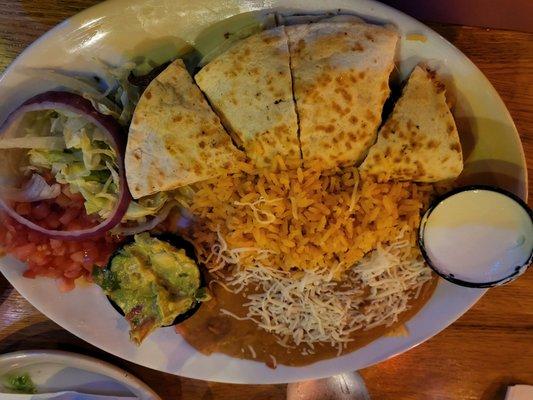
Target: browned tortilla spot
{"points": [[371, 116], [337, 108], [357, 47], [369, 36], [344, 93], [432, 144], [327, 128]]}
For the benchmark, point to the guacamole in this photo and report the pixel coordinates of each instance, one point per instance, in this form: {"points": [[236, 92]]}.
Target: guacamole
{"points": [[152, 282]]}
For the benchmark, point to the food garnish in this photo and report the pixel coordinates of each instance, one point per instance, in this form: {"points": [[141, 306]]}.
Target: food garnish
{"points": [[152, 282], [74, 145]]}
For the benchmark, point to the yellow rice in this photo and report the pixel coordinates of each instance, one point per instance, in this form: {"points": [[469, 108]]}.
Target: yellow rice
{"points": [[305, 218]]}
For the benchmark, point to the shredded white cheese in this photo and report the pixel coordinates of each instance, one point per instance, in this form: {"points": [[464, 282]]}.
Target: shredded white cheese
{"points": [[312, 307], [252, 351], [263, 217], [274, 361]]}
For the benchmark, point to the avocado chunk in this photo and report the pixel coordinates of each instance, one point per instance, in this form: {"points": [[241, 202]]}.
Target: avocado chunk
{"points": [[152, 282]]}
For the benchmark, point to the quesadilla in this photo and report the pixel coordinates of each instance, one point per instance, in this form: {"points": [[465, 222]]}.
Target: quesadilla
{"points": [[175, 139], [419, 142], [340, 75], [250, 87]]}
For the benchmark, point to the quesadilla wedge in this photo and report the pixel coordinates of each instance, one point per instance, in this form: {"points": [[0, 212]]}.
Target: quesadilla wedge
{"points": [[175, 139], [250, 87], [419, 142], [340, 75]]}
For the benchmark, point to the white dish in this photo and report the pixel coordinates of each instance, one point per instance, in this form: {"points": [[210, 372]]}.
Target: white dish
{"points": [[116, 29], [55, 371]]}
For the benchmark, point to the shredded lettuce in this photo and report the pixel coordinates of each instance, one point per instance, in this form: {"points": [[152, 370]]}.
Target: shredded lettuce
{"points": [[111, 93], [146, 206], [77, 152], [119, 90], [88, 164], [45, 142]]}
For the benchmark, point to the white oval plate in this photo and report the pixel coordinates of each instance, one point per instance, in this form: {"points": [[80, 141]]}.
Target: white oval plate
{"points": [[56, 371], [115, 29]]}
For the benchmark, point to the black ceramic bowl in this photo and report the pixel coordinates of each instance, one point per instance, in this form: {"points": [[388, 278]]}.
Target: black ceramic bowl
{"points": [[180, 243], [515, 272]]}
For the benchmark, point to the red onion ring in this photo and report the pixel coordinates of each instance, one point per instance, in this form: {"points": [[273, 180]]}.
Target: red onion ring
{"points": [[55, 100]]}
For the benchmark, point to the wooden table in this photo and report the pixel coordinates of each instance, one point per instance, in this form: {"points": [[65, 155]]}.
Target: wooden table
{"points": [[477, 357]]}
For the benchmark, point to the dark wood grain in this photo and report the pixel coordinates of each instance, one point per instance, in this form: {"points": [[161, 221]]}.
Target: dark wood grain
{"points": [[487, 349]]}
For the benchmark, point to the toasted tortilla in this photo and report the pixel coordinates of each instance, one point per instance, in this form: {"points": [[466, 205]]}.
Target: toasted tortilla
{"points": [[250, 88], [341, 81], [175, 139], [419, 142]]}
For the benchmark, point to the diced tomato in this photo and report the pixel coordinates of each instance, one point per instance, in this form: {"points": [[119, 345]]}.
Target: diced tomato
{"points": [[39, 259], [74, 226], [58, 259], [40, 211], [73, 270], [23, 209], [69, 216], [66, 284], [52, 221], [24, 252], [55, 244], [62, 200], [35, 237], [30, 273], [77, 257], [89, 268], [75, 197], [73, 247]]}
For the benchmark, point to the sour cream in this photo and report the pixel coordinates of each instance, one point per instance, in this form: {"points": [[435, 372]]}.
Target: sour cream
{"points": [[478, 237]]}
